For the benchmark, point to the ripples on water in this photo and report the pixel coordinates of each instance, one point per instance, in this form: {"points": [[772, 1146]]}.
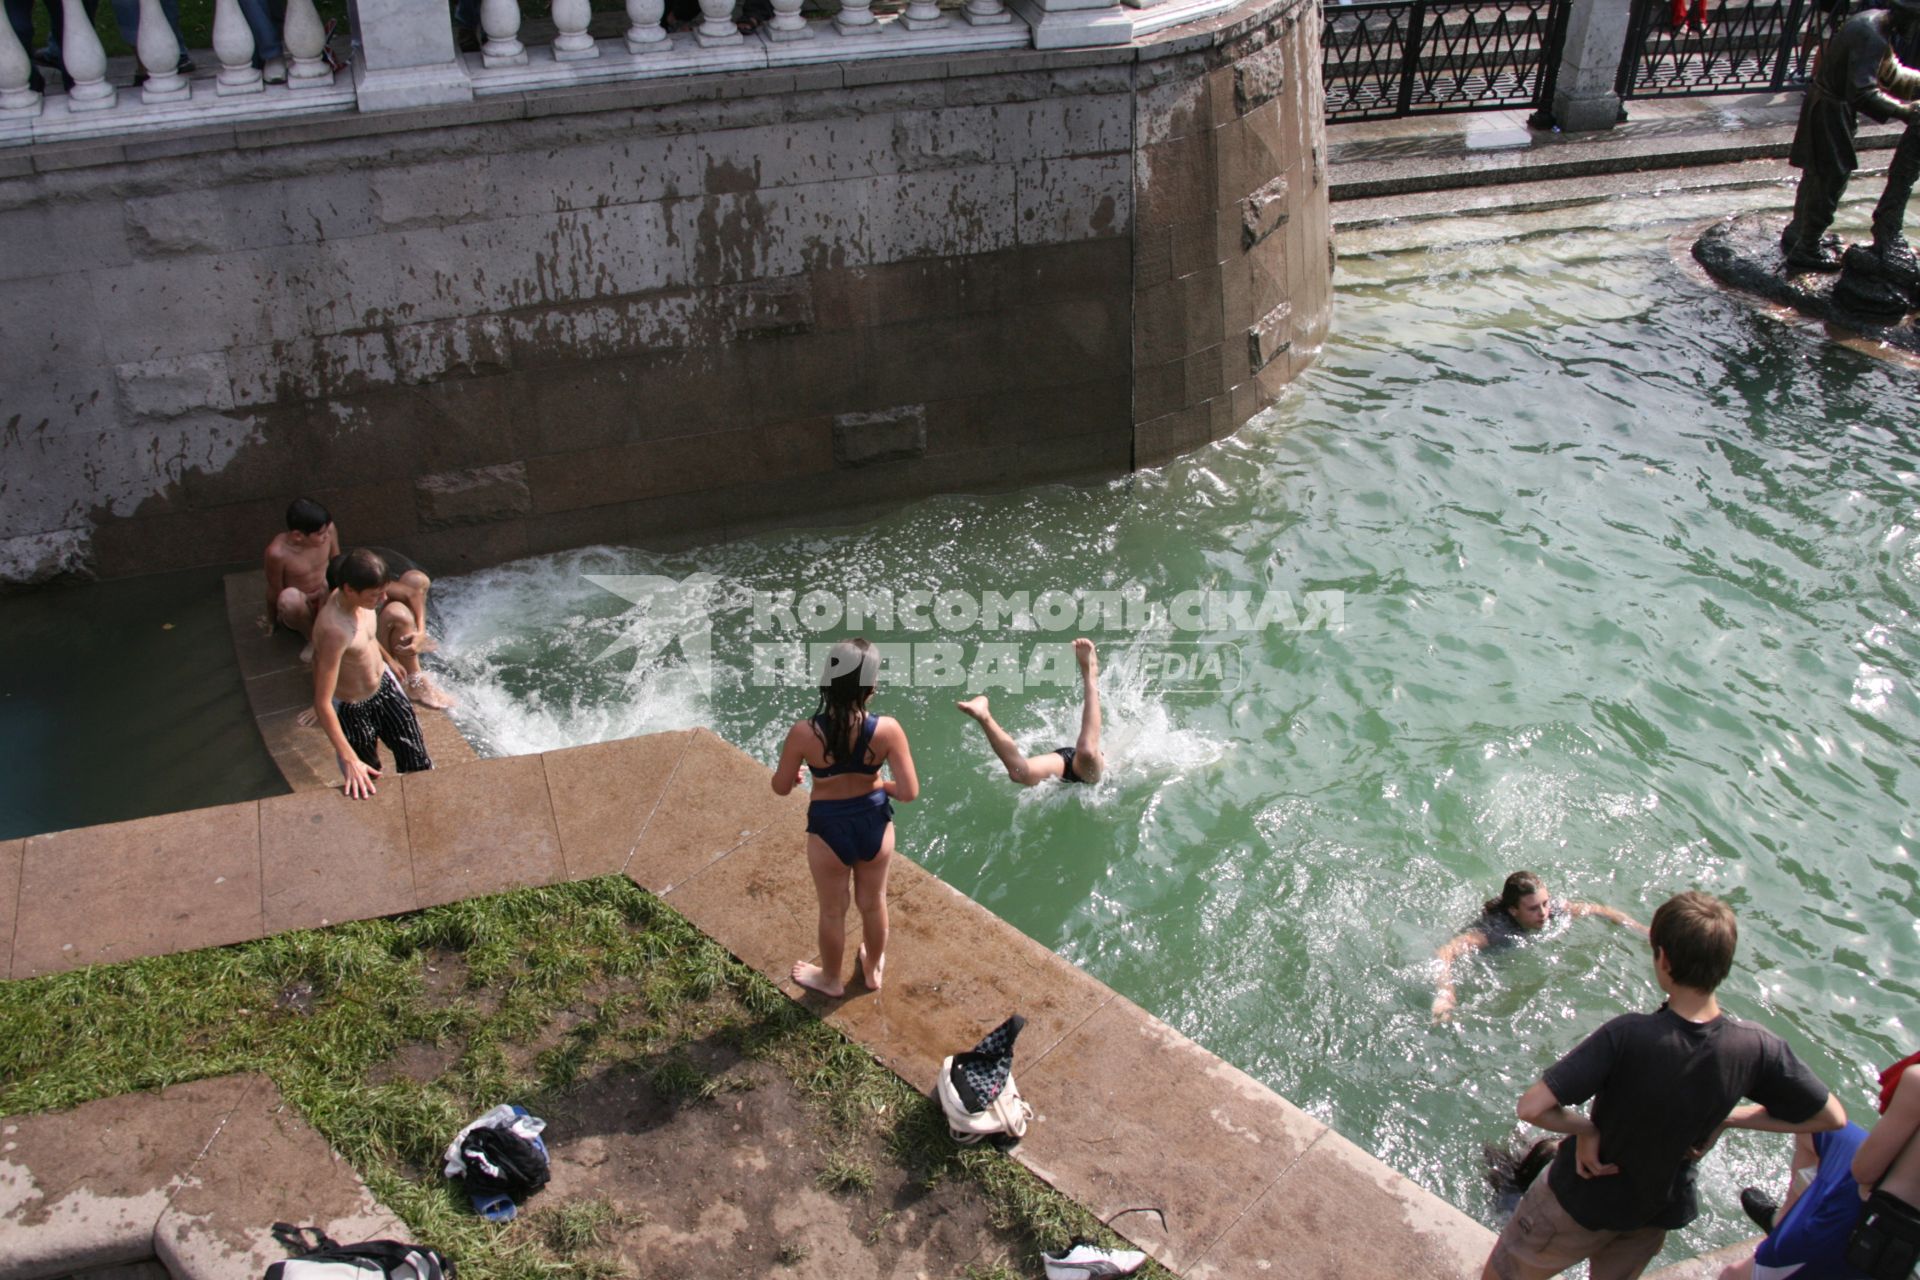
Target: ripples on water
{"points": [[1629, 577]]}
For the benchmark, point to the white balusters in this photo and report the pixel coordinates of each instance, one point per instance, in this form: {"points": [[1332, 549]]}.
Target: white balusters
{"points": [[923, 15], [160, 55], [306, 43], [500, 19], [233, 45], [86, 60], [644, 33], [17, 98], [986, 13], [856, 18], [787, 23], [573, 43], [716, 24]]}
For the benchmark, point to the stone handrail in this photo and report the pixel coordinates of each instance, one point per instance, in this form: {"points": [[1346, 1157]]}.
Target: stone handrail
{"points": [[400, 59]]}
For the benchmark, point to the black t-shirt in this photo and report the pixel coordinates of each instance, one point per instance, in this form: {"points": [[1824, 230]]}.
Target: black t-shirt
{"points": [[1659, 1086]]}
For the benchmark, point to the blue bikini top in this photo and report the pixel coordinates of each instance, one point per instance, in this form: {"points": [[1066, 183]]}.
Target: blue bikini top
{"points": [[852, 764]]}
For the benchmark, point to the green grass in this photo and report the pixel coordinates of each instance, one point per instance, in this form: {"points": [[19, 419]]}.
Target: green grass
{"points": [[633, 984]]}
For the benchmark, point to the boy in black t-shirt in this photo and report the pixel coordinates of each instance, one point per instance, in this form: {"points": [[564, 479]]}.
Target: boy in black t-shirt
{"points": [[1663, 1086]]}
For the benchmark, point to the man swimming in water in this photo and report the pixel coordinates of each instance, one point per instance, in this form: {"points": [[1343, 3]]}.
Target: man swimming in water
{"points": [[296, 565], [403, 624], [1081, 762], [1523, 907]]}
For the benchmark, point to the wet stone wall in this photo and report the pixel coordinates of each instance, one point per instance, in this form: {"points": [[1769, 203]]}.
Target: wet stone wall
{"points": [[657, 313]]}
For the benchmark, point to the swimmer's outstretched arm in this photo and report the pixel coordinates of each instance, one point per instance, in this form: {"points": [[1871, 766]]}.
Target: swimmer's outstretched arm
{"points": [[1443, 997], [1595, 909]]}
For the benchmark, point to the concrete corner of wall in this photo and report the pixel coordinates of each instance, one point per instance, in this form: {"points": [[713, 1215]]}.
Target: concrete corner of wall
{"points": [[1232, 279]]}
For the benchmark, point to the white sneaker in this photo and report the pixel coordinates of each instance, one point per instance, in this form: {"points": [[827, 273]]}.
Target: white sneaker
{"points": [[1084, 1261], [274, 71]]}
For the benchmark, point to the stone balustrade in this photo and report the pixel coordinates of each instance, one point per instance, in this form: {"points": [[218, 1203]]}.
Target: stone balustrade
{"points": [[403, 55]]}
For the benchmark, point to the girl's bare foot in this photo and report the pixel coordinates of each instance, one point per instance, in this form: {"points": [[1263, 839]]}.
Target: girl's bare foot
{"points": [[873, 975], [975, 707], [1083, 650], [814, 978]]}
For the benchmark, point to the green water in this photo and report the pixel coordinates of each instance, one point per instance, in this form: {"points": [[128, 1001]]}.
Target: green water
{"points": [[1629, 577]]}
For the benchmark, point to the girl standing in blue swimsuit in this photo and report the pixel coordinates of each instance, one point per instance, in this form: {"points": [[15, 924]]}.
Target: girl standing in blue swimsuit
{"points": [[850, 819]]}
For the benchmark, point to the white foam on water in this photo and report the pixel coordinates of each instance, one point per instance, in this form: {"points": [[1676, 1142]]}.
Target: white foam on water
{"points": [[601, 669]]}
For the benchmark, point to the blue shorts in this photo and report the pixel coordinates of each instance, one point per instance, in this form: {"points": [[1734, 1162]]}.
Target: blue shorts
{"points": [[854, 829], [1812, 1240]]}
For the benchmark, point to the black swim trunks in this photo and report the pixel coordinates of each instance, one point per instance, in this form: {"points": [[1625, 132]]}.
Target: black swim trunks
{"points": [[1067, 754], [386, 717]]}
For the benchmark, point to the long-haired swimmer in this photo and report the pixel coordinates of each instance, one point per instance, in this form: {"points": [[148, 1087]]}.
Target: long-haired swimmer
{"points": [[1523, 907], [850, 819]]}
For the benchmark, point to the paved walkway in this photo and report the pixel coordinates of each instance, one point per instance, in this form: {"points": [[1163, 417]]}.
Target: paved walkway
{"points": [[1421, 154]]}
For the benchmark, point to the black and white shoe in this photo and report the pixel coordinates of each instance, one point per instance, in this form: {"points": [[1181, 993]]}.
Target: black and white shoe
{"points": [[1085, 1261]]}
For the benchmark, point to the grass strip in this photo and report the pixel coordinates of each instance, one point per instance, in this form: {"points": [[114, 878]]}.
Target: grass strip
{"points": [[523, 996]]}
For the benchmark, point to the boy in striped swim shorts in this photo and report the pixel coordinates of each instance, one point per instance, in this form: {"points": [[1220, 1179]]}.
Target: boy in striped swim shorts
{"points": [[356, 698]]}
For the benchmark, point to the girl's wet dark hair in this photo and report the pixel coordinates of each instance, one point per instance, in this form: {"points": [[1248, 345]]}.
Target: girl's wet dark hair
{"points": [[845, 686], [1513, 1165], [1521, 884]]}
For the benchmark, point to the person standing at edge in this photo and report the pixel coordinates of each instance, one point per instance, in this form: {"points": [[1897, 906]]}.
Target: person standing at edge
{"points": [[850, 818], [1664, 1086]]}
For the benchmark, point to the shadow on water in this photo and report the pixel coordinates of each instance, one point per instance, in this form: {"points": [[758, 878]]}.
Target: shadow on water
{"points": [[122, 700]]}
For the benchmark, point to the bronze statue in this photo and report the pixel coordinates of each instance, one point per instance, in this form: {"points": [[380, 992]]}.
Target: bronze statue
{"points": [[1858, 73]]}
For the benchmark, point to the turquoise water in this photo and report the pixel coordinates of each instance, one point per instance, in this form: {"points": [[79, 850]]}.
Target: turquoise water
{"points": [[1629, 577]]}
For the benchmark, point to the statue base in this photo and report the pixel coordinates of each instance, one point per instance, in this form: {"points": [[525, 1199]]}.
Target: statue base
{"points": [[1872, 297]]}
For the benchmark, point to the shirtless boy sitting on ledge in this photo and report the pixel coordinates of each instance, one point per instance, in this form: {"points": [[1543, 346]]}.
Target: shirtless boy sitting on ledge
{"points": [[356, 698], [296, 565]]}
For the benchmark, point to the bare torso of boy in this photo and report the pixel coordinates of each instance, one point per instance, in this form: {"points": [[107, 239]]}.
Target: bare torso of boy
{"points": [[361, 666]]}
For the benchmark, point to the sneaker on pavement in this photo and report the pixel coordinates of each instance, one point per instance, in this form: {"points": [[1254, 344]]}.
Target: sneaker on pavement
{"points": [[1086, 1261]]}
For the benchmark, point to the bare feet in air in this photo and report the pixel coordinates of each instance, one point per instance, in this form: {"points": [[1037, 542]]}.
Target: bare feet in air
{"points": [[873, 975], [422, 689], [1083, 652], [306, 655], [975, 707], [814, 978]]}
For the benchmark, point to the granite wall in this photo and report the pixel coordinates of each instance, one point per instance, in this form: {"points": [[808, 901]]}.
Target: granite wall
{"points": [[658, 312]]}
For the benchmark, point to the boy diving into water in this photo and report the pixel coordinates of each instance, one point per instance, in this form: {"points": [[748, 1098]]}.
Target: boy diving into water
{"points": [[1081, 762]]}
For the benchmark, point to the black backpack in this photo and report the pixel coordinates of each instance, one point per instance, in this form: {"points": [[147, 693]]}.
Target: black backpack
{"points": [[501, 1162], [369, 1260]]}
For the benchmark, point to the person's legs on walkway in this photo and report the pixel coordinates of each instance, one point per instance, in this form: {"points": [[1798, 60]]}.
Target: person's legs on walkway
{"points": [[870, 896], [830, 886]]}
